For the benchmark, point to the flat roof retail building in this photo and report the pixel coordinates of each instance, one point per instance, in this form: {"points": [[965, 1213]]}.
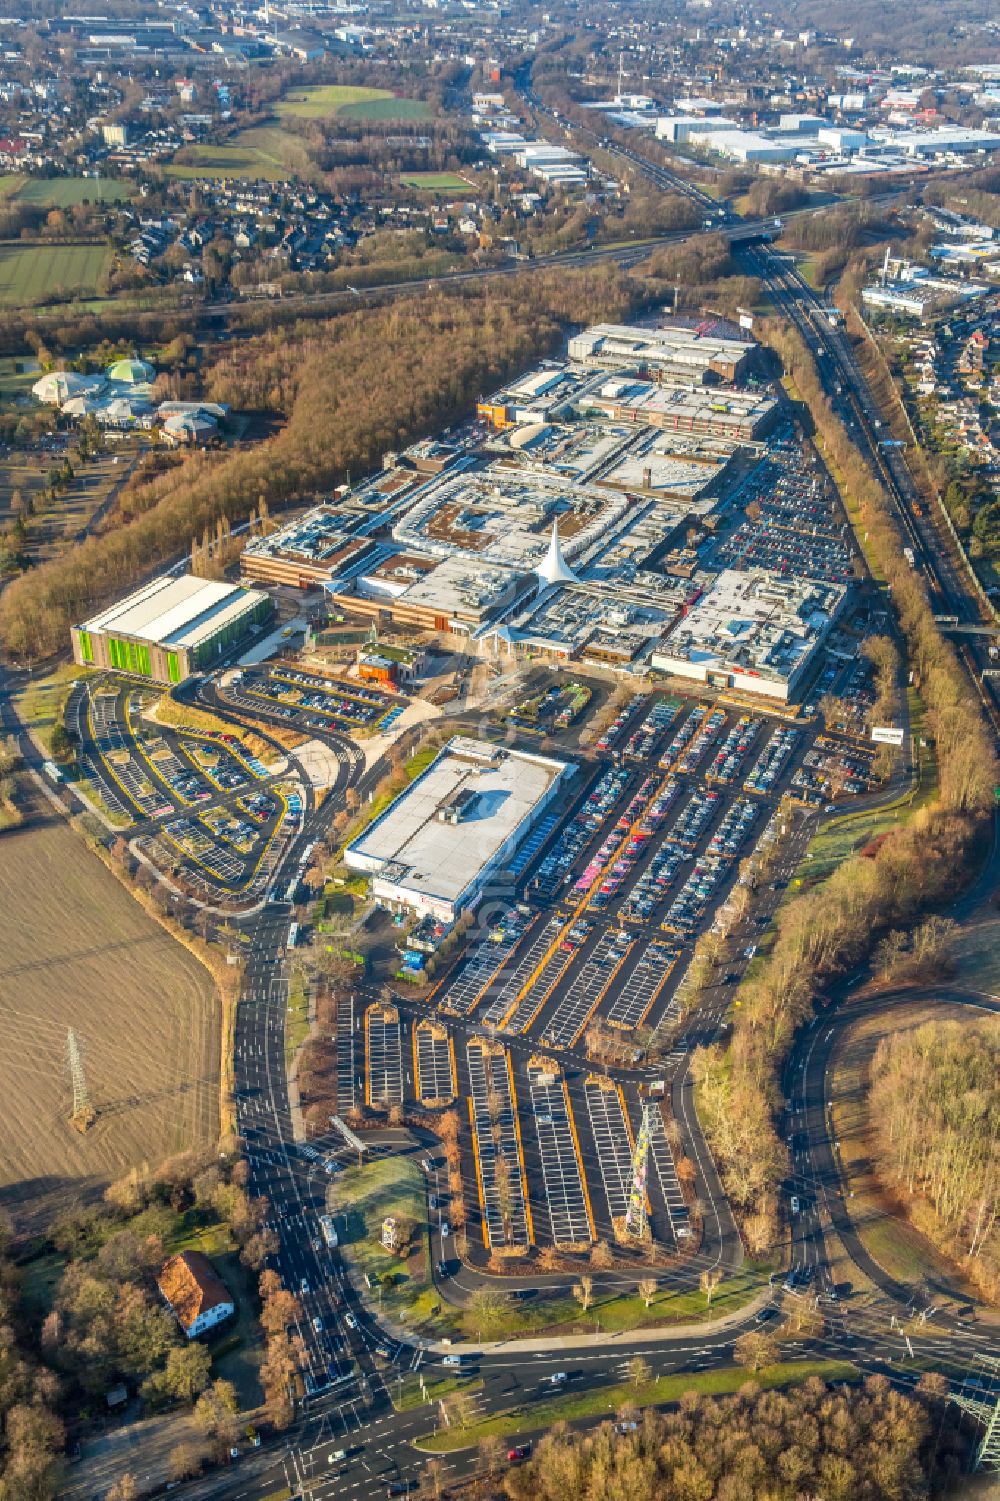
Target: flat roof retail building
{"points": [[170, 628], [434, 850]]}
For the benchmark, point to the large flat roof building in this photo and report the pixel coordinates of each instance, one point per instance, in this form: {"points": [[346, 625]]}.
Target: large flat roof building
{"points": [[170, 628], [753, 632], [736, 415], [688, 352], [435, 848], [311, 551]]}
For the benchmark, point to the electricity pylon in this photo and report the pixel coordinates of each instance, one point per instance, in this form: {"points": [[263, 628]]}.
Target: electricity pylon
{"points": [[83, 1115], [984, 1406]]}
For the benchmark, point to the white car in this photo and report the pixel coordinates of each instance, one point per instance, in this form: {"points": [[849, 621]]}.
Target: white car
{"points": [[350, 1321]]}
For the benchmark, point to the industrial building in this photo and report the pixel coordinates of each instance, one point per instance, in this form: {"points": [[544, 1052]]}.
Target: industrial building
{"points": [[170, 627], [434, 850], [753, 632]]}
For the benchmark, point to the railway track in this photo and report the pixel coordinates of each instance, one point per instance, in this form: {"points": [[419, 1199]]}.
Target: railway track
{"points": [[842, 377], [931, 554]]}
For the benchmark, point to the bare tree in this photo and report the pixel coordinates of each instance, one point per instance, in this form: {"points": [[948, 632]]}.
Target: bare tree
{"points": [[708, 1282], [583, 1292], [647, 1290]]}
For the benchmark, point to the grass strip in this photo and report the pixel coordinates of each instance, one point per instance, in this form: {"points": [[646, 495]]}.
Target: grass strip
{"points": [[603, 1400]]}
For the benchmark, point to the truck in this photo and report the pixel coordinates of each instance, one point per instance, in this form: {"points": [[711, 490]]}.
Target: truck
{"points": [[329, 1229], [909, 556]]}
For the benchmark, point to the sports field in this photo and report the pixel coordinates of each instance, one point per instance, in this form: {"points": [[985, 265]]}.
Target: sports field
{"points": [[323, 101], [435, 182], [263, 151], [64, 192], [29, 273], [77, 951]]}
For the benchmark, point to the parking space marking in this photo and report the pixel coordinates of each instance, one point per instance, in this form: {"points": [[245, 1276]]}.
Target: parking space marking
{"points": [[666, 1171], [636, 996], [472, 979], [433, 1077], [503, 988], [346, 1063], [586, 991], [383, 1055], [531, 1000], [566, 1200], [496, 1139], [613, 1140]]}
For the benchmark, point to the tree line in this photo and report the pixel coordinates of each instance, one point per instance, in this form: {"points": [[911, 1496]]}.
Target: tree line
{"points": [[943, 1160], [866, 1444], [825, 932]]}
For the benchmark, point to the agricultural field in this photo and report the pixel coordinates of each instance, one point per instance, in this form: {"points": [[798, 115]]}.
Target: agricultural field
{"points": [[263, 151], [324, 101], [30, 273], [64, 192], [77, 951], [435, 182]]}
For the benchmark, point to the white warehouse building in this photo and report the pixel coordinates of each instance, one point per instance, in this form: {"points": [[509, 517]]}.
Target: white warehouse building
{"points": [[435, 849]]}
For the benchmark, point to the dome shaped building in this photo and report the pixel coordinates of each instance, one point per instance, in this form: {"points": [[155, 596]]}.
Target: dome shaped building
{"points": [[60, 386], [129, 372]]}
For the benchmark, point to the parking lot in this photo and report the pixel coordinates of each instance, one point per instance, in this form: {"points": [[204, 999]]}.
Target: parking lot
{"points": [[308, 702], [195, 801], [497, 1147], [600, 936], [792, 522], [434, 1069], [383, 1056]]}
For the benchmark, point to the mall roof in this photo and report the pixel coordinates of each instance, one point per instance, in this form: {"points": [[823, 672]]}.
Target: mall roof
{"points": [[414, 848], [181, 611]]}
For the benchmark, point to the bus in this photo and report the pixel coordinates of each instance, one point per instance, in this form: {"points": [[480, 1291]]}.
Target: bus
{"points": [[329, 1232]]}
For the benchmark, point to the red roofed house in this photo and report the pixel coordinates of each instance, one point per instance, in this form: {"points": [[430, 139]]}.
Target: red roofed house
{"points": [[197, 1295]]}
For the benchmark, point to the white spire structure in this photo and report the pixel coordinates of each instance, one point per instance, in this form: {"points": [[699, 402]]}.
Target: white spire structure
{"points": [[554, 569]]}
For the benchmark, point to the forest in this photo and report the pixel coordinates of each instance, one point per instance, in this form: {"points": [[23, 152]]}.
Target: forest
{"points": [[352, 388], [941, 1161], [871, 1444], [828, 930]]}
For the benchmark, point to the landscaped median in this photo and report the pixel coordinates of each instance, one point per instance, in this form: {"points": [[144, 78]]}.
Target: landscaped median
{"points": [[602, 1401], [409, 1394]]}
